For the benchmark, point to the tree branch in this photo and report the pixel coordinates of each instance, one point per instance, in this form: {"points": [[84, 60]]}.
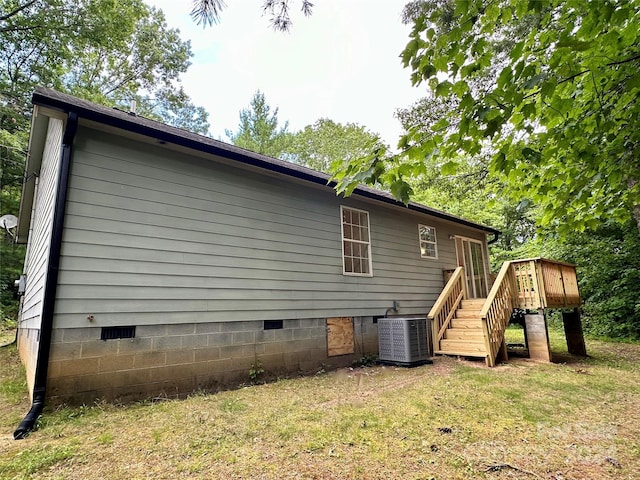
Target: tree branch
{"points": [[21, 29], [598, 95], [16, 11], [575, 75], [627, 60]]}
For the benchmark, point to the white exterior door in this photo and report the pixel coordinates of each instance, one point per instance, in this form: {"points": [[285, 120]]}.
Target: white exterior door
{"points": [[471, 255]]}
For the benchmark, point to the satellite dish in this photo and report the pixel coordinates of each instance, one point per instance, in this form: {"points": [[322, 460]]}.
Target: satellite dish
{"points": [[8, 222]]}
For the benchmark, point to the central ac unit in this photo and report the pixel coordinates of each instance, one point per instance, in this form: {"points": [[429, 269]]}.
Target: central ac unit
{"points": [[403, 341]]}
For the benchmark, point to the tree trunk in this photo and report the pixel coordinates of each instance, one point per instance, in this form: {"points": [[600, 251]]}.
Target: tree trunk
{"points": [[636, 210]]}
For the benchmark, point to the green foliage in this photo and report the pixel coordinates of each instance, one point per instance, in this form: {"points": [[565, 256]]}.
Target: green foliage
{"points": [[104, 51], [373, 169], [256, 371], [11, 255], [101, 50], [366, 360], [608, 261], [546, 90], [174, 107], [258, 130], [327, 144]]}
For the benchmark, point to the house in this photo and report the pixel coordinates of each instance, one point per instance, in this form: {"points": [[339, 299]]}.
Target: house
{"points": [[161, 262]]}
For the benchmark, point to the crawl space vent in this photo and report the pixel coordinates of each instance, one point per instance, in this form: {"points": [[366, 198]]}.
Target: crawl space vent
{"points": [[113, 333]]}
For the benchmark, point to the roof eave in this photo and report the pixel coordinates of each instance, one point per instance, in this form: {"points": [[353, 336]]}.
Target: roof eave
{"points": [[161, 132], [37, 139]]}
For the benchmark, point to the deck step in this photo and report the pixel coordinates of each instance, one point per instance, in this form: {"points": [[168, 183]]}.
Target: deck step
{"points": [[464, 334], [465, 313], [471, 323], [469, 346], [461, 353], [474, 303]]}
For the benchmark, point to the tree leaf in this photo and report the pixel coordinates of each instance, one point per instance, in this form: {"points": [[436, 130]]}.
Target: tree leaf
{"points": [[449, 168], [401, 190], [505, 77], [443, 88], [440, 125], [575, 45]]}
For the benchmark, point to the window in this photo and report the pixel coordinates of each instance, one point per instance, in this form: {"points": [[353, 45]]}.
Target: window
{"points": [[356, 243], [428, 242]]}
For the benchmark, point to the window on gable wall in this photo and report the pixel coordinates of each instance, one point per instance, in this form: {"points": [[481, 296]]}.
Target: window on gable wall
{"points": [[428, 242], [356, 242]]}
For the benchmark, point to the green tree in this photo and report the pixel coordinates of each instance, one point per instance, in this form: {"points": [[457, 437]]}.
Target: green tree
{"points": [[559, 118], [107, 51], [11, 255], [258, 129], [327, 143], [608, 261], [463, 185]]}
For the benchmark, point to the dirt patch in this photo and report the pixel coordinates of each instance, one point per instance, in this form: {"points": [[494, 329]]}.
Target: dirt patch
{"points": [[7, 337], [362, 387]]}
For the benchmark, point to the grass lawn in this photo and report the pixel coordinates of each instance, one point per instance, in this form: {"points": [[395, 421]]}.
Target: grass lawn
{"points": [[455, 419]]}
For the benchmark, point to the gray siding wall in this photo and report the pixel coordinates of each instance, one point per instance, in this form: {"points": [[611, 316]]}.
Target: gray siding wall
{"points": [[37, 258], [41, 227], [158, 237]]}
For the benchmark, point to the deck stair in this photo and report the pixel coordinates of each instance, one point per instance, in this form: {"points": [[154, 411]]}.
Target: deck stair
{"points": [[476, 327], [465, 335]]}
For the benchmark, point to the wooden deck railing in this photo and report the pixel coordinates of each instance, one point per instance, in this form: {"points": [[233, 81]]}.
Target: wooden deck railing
{"points": [[496, 312], [446, 305], [543, 283], [527, 284]]}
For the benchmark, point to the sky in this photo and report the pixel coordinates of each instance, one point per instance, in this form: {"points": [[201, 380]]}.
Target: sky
{"points": [[340, 63]]}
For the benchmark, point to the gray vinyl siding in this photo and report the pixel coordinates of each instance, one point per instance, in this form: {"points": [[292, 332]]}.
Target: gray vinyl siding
{"points": [[41, 228], [158, 237]]}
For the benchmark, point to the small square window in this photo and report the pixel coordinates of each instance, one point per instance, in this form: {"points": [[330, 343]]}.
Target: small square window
{"points": [[428, 241]]}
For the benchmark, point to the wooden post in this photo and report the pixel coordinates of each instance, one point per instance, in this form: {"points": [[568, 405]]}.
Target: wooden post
{"points": [[573, 332], [538, 267], [537, 336], [490, 359], [503, 355], [526, 337]]}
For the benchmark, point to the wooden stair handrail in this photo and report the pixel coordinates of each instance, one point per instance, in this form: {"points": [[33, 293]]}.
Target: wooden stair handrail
{"points": [[528, 284], [450, 315], [505, 270], [496, 311], [446, 291], [446, 305]]}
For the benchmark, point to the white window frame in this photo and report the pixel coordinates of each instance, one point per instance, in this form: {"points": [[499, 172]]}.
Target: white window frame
{"points": [[361, 242], [427, 242]]}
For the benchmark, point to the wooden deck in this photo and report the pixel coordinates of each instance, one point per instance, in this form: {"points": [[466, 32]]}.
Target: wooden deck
{"points": [[475, 327], [543, 283]]}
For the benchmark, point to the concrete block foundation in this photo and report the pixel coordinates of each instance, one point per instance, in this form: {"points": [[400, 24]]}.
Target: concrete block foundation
{"points": [[174, 360]]}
